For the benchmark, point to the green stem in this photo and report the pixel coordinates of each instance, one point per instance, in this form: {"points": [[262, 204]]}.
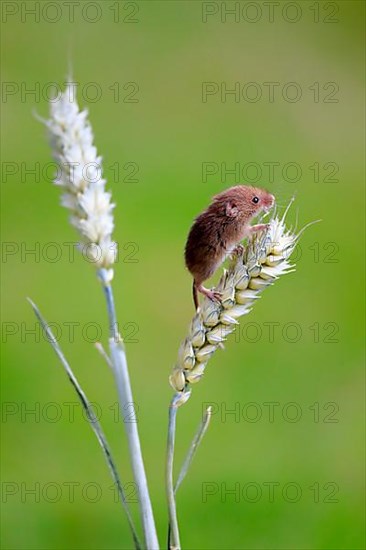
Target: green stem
{"points": [[174, 542], [93, 421], [124, 390]]}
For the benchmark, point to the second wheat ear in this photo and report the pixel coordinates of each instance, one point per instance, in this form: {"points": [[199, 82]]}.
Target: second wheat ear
{"points": [[260, 264]]}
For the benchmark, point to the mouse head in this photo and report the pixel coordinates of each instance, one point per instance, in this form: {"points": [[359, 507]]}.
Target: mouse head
{"points": [[244, 202]]}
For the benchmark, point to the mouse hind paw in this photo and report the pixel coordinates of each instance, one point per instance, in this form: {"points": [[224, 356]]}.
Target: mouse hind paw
{"points": [[213, 295]]}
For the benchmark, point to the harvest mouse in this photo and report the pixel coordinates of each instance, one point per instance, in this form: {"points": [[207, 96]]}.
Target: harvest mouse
{"points": [[218, 230]]}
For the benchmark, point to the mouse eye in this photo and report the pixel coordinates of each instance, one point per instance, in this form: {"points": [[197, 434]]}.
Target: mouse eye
{"points": [[255, 200]]}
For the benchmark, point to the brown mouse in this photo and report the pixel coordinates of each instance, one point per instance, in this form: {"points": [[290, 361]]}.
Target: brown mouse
{"points": [[218, 230]]}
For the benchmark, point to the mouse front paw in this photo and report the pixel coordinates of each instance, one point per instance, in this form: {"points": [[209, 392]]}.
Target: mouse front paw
{"points": [[238, 250], [260, 227]]}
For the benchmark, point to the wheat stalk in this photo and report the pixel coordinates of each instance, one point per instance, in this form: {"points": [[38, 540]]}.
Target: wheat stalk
{"points": [[91, 213], [256, 267], [92, 419]]}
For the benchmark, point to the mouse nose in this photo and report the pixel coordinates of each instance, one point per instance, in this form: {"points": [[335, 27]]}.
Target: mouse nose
{"points": [[272, 199]]}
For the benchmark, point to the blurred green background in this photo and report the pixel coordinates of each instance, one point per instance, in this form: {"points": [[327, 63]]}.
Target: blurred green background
{"points": [[311, 370]]}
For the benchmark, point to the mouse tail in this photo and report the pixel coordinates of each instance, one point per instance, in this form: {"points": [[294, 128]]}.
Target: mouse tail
{"points": [[195, 295]]}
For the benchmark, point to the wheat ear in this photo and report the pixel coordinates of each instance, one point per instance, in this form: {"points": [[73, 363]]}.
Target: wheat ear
{"points": [[263, 261], [81, 179]]}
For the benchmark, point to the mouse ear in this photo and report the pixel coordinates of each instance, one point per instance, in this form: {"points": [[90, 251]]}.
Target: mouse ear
{"points": [[231, 209]]}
